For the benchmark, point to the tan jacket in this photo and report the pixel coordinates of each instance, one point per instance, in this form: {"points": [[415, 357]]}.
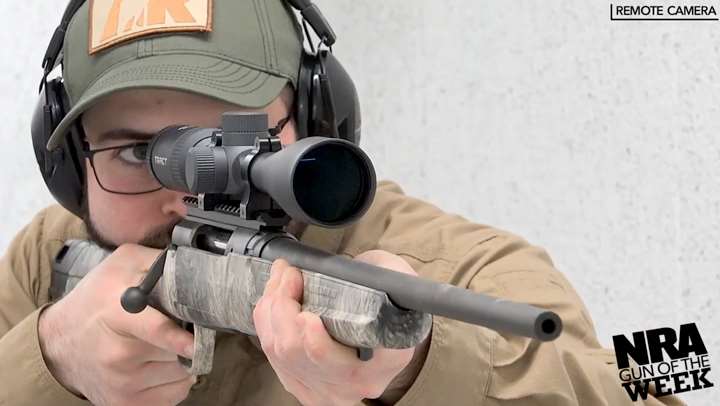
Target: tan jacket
{"points": [[466, 364]]}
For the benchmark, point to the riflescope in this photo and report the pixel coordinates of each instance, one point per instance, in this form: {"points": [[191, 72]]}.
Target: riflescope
{"points": [[247, 185], [324, 181]]}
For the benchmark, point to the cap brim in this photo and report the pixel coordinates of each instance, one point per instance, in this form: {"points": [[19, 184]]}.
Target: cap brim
{"points": [[200, 74]]}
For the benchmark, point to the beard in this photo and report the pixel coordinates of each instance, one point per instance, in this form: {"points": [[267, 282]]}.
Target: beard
{"points": [[158, 238]]}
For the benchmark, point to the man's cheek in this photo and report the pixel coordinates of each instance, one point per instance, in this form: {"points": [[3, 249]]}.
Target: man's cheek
{"points": [[114, 221]]}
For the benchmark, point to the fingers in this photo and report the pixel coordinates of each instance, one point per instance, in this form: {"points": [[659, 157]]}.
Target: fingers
{"points": [[125, 267], [276, 313], [114, 356], [284, 305], [308, 361], [155, 354], [143, 353], [155, 328], [261, 313], [322, 350], [386, 260], [150, 325], [339, 364], [136, 257], [276, 271], [290, 289]]}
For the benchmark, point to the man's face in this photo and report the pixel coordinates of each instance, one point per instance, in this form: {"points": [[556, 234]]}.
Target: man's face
{"points": [[136, 115]]}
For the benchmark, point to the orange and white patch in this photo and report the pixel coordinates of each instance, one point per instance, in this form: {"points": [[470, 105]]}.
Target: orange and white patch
{"points": [[115, 21]]}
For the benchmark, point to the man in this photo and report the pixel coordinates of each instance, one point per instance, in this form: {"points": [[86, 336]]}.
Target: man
{"points": [[85, 348]]}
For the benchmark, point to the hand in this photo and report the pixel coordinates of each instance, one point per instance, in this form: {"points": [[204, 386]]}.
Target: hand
{"points": [[312, 366], [96, 349]]}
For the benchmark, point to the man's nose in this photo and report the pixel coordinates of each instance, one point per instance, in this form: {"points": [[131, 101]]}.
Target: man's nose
{"points": [[173, 204]]}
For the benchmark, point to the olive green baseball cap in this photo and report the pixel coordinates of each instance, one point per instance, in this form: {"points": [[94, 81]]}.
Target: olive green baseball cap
{"points": [[239, 51]]}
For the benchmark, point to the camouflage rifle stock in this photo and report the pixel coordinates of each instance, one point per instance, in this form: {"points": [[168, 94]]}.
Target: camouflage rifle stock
{"points": [[219, 292]]}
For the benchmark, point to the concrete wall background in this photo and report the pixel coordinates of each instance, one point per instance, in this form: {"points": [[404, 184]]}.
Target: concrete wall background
{"points": [[594, 139]]}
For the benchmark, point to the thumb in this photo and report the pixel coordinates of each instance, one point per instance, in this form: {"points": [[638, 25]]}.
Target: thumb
{"points": [[387, 260]]}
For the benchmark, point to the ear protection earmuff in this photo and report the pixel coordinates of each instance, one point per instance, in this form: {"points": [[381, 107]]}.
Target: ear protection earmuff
{"points": [[62, 169], [326, 104]]}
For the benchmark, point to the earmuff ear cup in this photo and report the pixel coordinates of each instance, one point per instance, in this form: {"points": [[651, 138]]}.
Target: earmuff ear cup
{"points": [[303, 95], [61, 168], [326, 96], [345, 101]]}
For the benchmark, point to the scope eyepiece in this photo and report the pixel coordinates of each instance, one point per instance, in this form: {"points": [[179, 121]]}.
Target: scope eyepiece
{"points": [[168, 152]]}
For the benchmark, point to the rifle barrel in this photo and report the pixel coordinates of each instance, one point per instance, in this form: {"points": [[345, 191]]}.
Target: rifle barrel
{"points": [[423, 295]]}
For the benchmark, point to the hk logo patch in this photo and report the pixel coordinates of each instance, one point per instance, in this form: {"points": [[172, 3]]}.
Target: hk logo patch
{"points": [[115, 21]]}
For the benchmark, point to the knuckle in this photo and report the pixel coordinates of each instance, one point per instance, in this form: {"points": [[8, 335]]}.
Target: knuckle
{"points": [[284, 349], [274, 309], [279, 263], [276, 267], [295, 280], [268, 346]]}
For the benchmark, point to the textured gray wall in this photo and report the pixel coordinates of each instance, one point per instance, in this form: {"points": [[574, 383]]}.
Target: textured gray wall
{"points": [[595, 140]]}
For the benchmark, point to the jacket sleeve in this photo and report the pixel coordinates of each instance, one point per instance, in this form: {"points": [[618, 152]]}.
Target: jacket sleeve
{"points": [[471, 365], [24, 280]]}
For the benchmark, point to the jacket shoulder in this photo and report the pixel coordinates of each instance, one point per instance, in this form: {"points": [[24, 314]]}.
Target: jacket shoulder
{"points": [[60, 224], [408, 226], [54, 223]]}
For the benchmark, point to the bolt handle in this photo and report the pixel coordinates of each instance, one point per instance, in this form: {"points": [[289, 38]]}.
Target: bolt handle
{"points": [[136, 298]]}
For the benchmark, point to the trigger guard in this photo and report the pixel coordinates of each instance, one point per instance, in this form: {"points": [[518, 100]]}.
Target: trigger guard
{"points": [[203, 352]]}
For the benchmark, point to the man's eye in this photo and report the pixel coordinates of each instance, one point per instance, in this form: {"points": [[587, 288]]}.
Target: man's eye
{"points": [[134, 155]]}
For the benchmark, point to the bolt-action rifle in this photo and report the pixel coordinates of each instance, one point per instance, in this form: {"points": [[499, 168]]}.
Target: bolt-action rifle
{"points": [[246, 189]]}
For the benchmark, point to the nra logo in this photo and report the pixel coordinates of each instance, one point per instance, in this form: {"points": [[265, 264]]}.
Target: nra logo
{"points": [[671, 361], [115, 21]]}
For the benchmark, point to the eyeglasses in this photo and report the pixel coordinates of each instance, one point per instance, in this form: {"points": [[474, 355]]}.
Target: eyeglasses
{"points": [[122, 169]]}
